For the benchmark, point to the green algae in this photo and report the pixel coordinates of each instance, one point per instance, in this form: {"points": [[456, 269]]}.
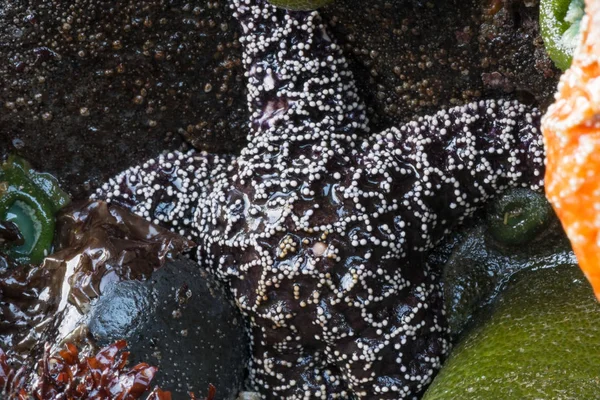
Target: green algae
{"points": [[539, 341], [559, 22]]}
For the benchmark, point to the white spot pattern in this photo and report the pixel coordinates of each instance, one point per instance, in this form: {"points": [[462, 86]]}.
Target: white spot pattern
{"points": [[320, 230]]}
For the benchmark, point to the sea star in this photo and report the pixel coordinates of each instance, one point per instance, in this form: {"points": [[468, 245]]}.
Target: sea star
{"points": [[320, 230]]}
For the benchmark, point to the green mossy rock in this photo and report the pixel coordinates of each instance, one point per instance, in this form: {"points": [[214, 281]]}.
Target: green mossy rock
{"points": [[298, 5], [541, 341]]}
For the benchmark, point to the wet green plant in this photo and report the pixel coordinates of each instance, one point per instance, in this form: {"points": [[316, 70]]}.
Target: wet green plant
{"points": [[518, 216]]}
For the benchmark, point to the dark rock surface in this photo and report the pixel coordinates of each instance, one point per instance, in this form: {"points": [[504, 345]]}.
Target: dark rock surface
{"points": [[90, 87], [413, 57], [98, 244], [181, 322], [116, 278]]}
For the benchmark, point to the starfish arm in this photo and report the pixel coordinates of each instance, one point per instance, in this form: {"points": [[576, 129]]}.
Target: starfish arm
{"points": [[322, 237], [291, 373], [306, 117], [296, 73], [340, 277], [166, 190], [301, 96], [434, 172], [409, 187]]}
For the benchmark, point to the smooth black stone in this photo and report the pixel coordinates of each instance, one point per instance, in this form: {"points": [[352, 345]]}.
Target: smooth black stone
{"points": [[180, 321]]}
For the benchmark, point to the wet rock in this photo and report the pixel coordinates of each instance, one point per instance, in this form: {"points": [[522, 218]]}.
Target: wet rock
{"points": [[105, 85], [98, 245], [121, 310], [114, 278], [179, 321]]}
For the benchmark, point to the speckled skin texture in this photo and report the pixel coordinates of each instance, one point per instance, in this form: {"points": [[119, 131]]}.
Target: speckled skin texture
{"points": [[320, 229]]}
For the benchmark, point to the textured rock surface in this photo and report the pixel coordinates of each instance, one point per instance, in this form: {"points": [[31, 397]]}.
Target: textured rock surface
{"points": [[413, 56], [93, 86], [107, 85]]}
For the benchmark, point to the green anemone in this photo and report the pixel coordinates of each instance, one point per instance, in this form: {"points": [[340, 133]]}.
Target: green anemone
{"points": [[559, 22], [30, 200], [518, 216]]}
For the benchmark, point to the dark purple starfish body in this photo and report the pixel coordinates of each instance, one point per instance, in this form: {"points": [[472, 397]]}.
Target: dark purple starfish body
{"points": [[321, 231]]}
